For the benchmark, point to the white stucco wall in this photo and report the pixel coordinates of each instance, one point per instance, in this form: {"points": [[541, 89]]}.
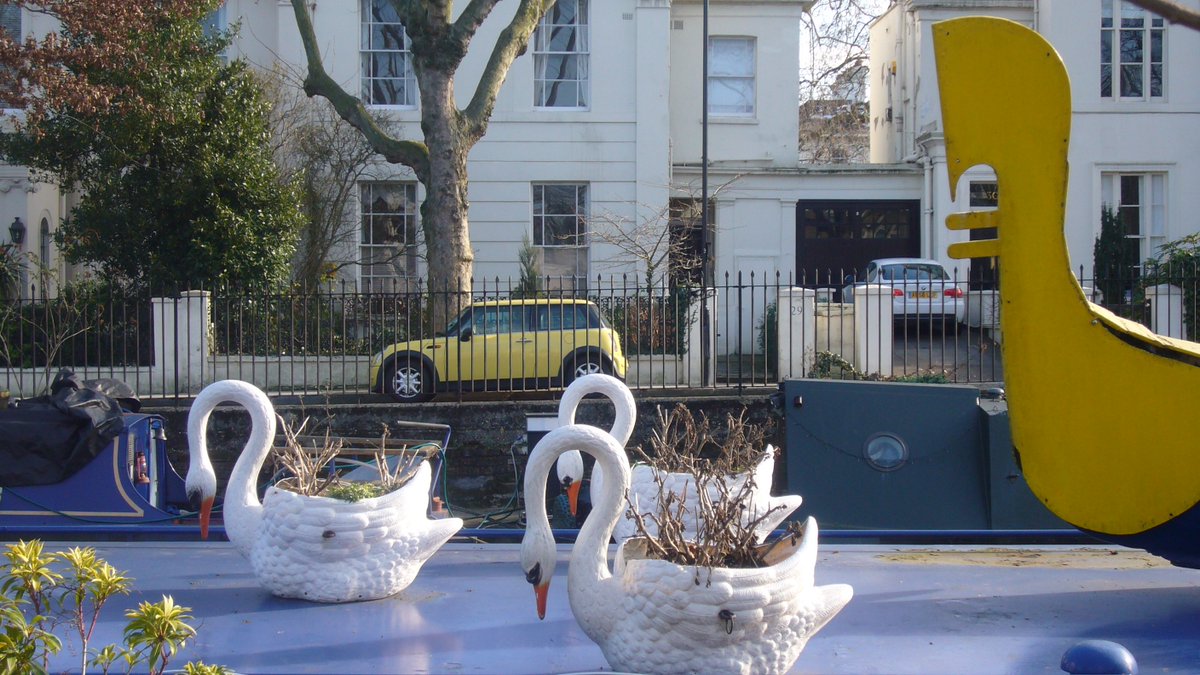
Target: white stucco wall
{"points": [[1129, 136], [618, 146], [1159, 135], [768, 139], [644, 113]]}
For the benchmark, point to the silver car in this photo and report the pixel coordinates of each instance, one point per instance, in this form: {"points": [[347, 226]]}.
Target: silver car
{"points": [[921, 288]]}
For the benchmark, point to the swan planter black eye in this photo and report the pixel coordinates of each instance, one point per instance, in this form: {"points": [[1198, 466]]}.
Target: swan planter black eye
{"points": [[314, 548]]}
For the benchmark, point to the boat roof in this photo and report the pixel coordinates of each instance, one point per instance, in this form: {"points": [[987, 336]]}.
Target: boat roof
{"points": [[916, 609]]}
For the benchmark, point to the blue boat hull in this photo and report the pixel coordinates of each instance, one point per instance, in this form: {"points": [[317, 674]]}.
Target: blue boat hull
{"points": [[130, 482]]}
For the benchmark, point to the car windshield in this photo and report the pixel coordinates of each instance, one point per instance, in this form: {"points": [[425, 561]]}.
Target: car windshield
{"points": [[458, 323], [913, 272]]}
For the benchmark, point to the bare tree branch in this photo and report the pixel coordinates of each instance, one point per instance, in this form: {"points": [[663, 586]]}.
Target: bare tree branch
{"points": [[1172, 11], [412, 154], [509, 46], [651, 243]]}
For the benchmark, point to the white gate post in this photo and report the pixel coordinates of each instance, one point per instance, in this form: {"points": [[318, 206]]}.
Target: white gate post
{"points": [[181, 344], [873, 329], [795, 331], [1166, 310]]}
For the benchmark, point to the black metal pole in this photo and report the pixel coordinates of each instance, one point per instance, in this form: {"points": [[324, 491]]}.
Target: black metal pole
{"points": [[705, 322]]}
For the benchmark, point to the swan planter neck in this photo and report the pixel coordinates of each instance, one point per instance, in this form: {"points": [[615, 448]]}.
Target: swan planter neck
{"points": [[311, 547], [653, 616]]}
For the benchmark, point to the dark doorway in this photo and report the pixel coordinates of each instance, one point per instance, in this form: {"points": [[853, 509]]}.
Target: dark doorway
{"points": [[838, 237], [984, 273]]}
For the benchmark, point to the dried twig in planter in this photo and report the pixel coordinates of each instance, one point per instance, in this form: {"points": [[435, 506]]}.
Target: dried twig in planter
{"points": [[720, 466], [305, 466], [309, 475], [680, 441], [393, 479]]}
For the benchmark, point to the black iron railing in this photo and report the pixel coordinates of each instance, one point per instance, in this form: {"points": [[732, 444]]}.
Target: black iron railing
{"points": [[760, 329]]}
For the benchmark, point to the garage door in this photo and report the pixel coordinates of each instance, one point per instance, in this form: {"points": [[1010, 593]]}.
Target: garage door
{"points": [[839, 237]]}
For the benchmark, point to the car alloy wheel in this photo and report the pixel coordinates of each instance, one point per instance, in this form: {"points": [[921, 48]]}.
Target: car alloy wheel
{"points": [[409, 381]]}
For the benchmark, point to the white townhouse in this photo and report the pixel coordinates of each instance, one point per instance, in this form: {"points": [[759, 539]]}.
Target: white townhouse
{"points": [[599, 125], [1135, 127]]}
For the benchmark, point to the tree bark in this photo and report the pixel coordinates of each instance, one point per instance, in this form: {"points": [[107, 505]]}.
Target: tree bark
{"points": [[1172, 11], [444, 211]]}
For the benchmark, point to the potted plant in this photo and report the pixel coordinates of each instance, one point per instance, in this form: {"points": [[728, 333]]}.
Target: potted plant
{"points": [[302, 544], [710, 600], [46, 597]]}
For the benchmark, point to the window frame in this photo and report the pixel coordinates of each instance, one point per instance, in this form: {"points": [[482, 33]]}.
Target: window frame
{"points": [[368, 280], [581, 244], [1150, 208], [541, 46], [712, 78], [1151, 37], [366, 51]]}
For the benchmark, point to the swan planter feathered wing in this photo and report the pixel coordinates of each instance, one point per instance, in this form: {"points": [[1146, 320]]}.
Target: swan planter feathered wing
{"points": [[654, 616], [314, 548], [644, 487]]}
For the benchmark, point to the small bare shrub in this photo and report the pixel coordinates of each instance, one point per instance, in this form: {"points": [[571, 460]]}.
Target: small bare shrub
{"points": [[311, 476], [720, 463], [685, 443]]}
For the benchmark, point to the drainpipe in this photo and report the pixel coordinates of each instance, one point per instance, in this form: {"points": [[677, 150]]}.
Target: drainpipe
{"points": [[927, 210], [919, 156]]}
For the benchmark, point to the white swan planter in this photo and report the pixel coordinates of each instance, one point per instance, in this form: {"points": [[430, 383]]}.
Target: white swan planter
{"points": [[644, 489], [652, 616], [314, 548]]}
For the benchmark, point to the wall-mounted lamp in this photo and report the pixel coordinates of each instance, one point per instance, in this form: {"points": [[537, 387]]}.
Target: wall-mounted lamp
{"points": [[17, 231]]}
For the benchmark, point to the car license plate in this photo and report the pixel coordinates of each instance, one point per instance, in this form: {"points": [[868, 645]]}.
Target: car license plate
{"points": [[921, 295]]}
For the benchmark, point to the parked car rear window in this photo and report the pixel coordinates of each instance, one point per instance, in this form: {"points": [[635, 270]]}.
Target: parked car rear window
{"points": [[913, 272]]}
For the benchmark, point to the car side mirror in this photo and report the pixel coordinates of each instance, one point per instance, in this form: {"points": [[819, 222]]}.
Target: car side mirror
{"points": [[849, 279], [465, 335]]}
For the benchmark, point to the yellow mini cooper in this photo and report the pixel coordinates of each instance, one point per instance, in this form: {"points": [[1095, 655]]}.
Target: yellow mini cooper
{"points": [[503, 345]]}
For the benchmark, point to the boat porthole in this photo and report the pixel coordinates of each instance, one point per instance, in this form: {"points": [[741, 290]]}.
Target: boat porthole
{"points": [[885, 451]]}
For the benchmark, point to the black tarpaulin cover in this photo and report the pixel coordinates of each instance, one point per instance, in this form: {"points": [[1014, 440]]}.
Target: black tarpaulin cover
{"points": [[46, 439]]}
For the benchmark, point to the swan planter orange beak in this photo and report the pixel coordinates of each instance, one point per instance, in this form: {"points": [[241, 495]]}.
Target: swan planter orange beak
{"points": [[644, 486]]}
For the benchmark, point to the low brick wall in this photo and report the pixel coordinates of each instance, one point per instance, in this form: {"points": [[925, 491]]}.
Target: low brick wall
{"points": [[479, 464]]}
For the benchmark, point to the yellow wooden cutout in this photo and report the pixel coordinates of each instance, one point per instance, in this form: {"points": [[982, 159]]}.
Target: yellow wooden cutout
{"points": [[1098, 405]]}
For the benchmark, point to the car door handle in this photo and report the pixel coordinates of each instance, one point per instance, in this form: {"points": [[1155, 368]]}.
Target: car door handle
{"points": [[523, 341], [434, 347]]}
